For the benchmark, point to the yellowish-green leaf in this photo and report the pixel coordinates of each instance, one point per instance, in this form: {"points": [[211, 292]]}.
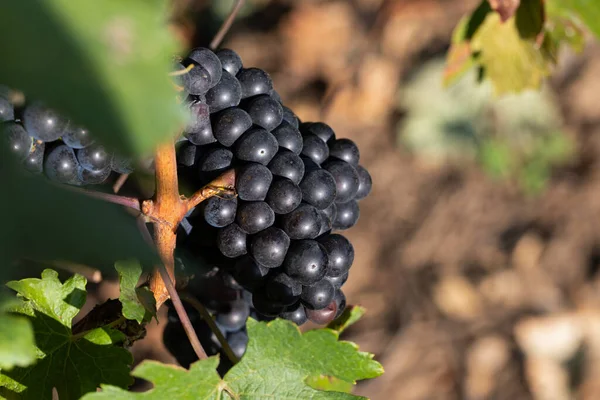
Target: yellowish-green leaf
{"points": [[350, 316], [17, 344], [138, 302]]}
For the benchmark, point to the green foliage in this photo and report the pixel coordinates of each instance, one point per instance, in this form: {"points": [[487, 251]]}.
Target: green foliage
{"points": [[279, 362], [102, 63], [17, 344], [516, 136], [138, 302], [350, 316], [73, 364], [587, 11]]}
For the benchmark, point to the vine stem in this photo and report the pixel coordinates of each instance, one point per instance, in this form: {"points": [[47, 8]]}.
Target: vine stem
{"points": [[226, 24], [129, 202]]}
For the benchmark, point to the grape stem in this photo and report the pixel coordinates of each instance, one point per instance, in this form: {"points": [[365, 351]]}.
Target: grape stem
{"points": [[129, 202], [226, 26]]}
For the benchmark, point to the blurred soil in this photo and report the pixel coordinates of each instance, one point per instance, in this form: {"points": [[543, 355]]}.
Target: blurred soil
{"points": [[474, 290]]}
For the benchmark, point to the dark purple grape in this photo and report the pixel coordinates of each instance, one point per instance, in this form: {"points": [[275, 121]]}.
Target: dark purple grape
{"points": [[238, 341], [209, 61], [256, 145], [230, 61], [94, 158], [325, 222], [309, 165], [265, 112], [320, 129], [330, 212], [295, 313], [302, 223], [287, 164], [340, 301], [219, 212], [227, 93], [338, 281], [284, 196], [306, 261], [199, 130], [18, 141], [290, 117], [61, 164], [231, 241], [269, 247], [121, 165], [43, 123], [283, 290], [365, 183], [264, 305], [215, 159], [346, 179], [186, 153], [340, 253], [255, 216], [77, 137], [345, 149], [288, 137], [318, 188], [194, 78], [248, 273], [252, 182], [314, 148], [35, 159], [323, 316], [346, 216], [93, 177], [230, 124], [235, 317], [254, 81], [7, 111], [318, 295]]}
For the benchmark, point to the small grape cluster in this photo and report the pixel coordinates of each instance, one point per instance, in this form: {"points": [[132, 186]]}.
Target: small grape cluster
{"points": [[295, 184], [48, 143]]}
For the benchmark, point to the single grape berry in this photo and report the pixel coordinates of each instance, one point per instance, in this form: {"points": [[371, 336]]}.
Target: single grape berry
{"points": [[318, 295], [238, 341], [306, 262], [302, 223], [252, 182], [295, 313], [7, 111], [322, 316], [346, 216], [199, 130], [231, 241], [320, 129], [61, 164], [287, 164], [284, 196], [230, 124], [314, 148], [215, 159], [77, 137], [275, 96], [94, 158], [340, 254], [264, 305], [227, 93], [318, 188], [35, 159], [230, 60], [338, 281], [290, 117], [269, 247], [43, 123], [219, 212], [186, 153], [325, 222], [345, 149], [194, 78], [283, 290], [265, 112], [340, 302], [248, 273], [121, 165], [18, 141], [209, 61], [254, 216], [365, 183], [346, 179], [256, 145], [254, 81], [97, 177], [288, 137], [235, 317]]}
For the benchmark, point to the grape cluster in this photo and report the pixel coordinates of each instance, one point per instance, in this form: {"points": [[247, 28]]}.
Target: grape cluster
{"points": [[48, 143]]}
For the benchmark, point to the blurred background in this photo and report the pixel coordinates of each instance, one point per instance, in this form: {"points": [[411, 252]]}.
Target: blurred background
{"points": [[478, 251]]}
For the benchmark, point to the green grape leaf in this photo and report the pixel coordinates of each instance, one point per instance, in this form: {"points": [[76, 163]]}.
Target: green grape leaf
{"points": [[138, 302], [329, 384], [350, 316], [103, 64], [73, 364], [17, 344], [530, 18], [279, 363]]}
